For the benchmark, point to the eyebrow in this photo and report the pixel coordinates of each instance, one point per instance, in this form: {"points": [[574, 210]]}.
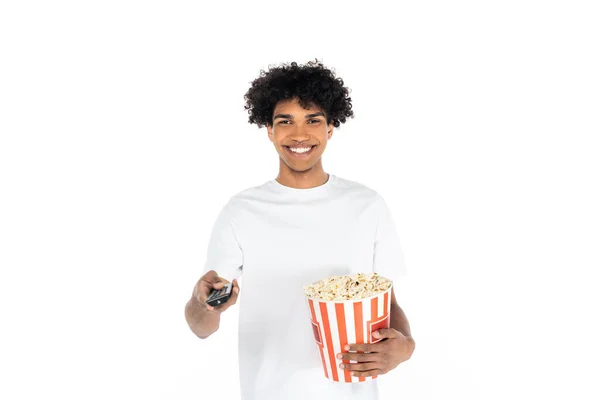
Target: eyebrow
{"points": [[289, 116]]}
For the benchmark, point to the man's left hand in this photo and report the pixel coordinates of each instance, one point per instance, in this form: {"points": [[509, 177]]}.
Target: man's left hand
{"points": [[378, 358]]}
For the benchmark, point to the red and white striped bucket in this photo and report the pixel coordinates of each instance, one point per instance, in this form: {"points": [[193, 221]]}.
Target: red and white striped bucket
{"points": [[337, 323]]}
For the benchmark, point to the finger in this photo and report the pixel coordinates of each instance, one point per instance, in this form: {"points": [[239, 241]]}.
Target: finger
{"points": [[386, 333], [205, 287], [218, 285], [368, 366], [371, 372], [359, 357], [207, 283], [211, 277], [234, 294], [202, 290], [232, 299], [221, 285], [365, 347]]}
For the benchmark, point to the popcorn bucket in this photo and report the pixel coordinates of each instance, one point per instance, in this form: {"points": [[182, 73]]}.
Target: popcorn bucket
{"points": [[337, 323]]}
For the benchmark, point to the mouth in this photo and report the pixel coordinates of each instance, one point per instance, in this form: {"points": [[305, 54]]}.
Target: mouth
{"points": [[300, 152]]}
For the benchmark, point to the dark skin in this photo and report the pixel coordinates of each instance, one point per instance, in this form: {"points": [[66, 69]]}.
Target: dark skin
{"points": [[380, 358], [203, 319], [292, 126], [297, 126]]}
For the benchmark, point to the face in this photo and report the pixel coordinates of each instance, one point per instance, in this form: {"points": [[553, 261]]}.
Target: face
{"points": [[299, 135]]}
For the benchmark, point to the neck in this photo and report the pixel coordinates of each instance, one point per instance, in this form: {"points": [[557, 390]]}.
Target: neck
{"points": [[308, 179]]}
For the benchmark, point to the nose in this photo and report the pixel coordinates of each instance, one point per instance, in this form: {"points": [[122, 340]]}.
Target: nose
{"points": [[299, 135]]}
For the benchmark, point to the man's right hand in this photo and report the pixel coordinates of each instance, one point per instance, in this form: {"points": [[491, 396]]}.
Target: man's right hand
{"points": [[210, 281]]}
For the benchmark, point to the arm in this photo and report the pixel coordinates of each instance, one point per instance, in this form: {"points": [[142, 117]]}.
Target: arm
{"points": [[381, 357], [388, 260], [203, 319], [399, 322], [224, 255]]}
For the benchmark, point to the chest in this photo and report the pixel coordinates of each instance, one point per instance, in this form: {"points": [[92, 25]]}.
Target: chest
{"points": [[313, 240]]}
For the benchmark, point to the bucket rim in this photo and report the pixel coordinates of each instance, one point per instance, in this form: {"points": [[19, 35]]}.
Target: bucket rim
{"points": [[350, 301]]}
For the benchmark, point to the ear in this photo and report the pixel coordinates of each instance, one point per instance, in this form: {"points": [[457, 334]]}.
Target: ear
{"points": [[330, 131], [270, 132]]}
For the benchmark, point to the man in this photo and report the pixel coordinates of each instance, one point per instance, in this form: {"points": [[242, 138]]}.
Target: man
{"points": [[301, 227]]}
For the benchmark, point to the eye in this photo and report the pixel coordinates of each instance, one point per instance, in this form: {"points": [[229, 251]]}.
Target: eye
{"points": [[315, 120], [283, 122]]}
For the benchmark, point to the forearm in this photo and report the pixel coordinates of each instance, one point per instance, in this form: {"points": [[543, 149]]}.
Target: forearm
{"points": [[399, 322], [201, 321]]}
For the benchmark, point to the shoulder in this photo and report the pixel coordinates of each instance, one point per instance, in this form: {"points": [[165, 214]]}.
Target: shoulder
{"points": [[358, 191], [241, 199]]}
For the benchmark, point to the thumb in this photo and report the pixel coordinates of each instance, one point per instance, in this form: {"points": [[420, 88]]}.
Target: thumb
{"points": [[386, 333]]}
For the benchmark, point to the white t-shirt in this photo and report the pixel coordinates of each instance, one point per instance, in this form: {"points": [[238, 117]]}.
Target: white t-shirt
{"points": [[283, 238]]}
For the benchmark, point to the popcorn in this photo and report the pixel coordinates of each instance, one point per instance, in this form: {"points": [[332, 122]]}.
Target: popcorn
{"points": [[347, 287], [347, 309]]}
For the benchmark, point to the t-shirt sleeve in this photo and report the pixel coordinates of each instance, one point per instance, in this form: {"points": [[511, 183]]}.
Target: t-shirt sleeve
{"points": [[388, 257], [224, 253]]}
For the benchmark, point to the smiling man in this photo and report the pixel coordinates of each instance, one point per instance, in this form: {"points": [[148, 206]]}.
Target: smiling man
{"points": [[290, 231], [300, 136]]}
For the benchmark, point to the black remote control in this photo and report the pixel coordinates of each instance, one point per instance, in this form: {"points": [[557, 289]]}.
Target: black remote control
{"points": [[217, 297]]}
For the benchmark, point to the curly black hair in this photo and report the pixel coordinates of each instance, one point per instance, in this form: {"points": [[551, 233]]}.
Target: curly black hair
{"points": [[311, 83]]}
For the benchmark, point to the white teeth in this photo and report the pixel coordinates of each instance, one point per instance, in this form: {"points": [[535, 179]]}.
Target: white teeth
{"points": [[301, 150]]}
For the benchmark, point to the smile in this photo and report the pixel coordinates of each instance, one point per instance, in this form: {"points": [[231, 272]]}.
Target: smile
{"points": [[300, 152]]}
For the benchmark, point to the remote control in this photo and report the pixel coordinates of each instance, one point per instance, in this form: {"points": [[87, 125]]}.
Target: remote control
{"points": [[217, 297]]}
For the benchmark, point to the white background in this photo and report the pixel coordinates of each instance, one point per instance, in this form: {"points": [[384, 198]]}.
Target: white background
{"points": [[123, 133]]}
